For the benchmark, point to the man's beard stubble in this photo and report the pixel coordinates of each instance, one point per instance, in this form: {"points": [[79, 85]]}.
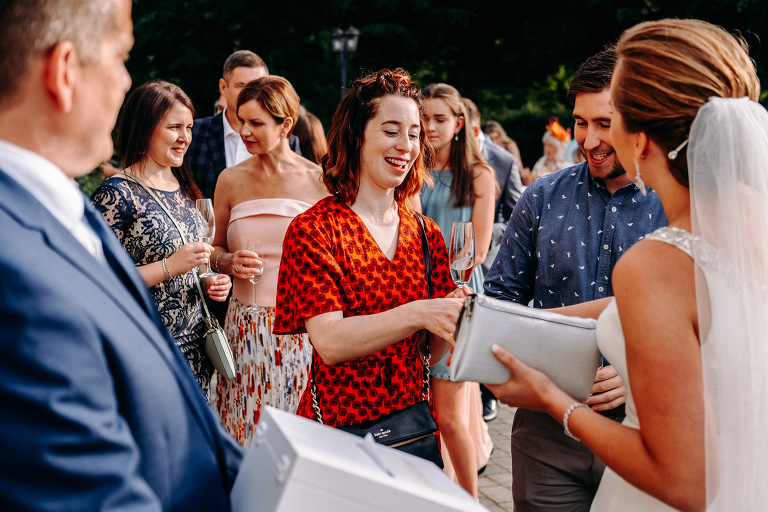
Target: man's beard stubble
{"points": [[616, 171]]}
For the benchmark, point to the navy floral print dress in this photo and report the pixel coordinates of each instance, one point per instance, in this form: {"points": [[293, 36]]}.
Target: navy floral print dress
{"points": [[148, 235]]}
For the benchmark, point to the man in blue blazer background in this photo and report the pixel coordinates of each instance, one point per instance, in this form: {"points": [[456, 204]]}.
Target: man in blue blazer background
{"points": [[511, 185], [99, 410]]}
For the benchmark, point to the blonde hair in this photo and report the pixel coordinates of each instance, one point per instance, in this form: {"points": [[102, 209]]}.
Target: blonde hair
{"points": [[276, 95], [464, 153], [668, 69]]}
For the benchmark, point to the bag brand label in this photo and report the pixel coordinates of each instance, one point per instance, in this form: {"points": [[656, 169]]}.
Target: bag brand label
{"points": [[381, 434]]}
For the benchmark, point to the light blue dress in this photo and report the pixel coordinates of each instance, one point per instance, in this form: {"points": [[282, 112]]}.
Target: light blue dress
{"points": [[437, 204]]}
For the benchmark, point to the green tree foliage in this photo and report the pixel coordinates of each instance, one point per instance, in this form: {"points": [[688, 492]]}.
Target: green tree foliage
{"points": [[513, 58]]}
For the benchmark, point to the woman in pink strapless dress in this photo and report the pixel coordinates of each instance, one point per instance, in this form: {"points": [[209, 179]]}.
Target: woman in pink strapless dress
{"points": [[257, 200]]}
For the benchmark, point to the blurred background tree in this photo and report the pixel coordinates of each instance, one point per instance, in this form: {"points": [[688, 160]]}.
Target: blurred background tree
{"points": [[514, 59]]}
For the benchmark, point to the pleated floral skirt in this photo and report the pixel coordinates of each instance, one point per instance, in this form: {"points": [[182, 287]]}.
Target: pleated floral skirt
{"points": [[269, 370]]}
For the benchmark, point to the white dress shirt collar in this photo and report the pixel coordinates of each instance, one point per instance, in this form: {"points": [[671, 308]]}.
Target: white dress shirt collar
{"points": [[56, 191], [234, 147], [481, 141]]}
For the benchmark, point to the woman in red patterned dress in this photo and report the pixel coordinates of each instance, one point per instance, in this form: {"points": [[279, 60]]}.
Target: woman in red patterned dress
{"points": [[352, 273]]}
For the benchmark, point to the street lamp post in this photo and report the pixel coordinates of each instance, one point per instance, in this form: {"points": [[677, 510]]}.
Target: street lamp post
{"points": [[345, 44]]}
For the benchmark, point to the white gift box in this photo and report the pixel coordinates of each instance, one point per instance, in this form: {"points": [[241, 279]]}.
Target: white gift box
{"points": [[295, 464]]}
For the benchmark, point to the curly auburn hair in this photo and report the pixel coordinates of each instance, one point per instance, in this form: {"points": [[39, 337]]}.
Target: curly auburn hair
{"points": [[341, 166]]}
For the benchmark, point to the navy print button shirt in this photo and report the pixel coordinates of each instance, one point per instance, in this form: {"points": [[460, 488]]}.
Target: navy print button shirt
{"points": [[564, 237]]}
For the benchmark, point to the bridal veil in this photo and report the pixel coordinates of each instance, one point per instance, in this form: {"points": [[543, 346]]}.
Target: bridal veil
{"points": [[728, 173]]}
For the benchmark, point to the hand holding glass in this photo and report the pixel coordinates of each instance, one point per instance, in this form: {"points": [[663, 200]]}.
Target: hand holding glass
{"points": [[461, 254], [206, 228], [254, 246]]}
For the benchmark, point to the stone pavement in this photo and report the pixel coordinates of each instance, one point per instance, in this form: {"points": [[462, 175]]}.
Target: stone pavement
{"points": [[494, 486]]}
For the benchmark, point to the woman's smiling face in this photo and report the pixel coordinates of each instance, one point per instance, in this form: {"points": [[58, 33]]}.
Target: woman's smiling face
{"points": [[171, 137], [390, 143]]}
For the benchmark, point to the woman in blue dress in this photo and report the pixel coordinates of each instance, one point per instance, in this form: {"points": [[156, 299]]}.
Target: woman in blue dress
{"points": [[464, 189], [154, 133]]}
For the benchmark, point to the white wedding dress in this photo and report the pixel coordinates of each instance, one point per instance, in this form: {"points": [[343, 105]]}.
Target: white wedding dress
{"points": [[723, 322], [728, 182], [615, 493]]}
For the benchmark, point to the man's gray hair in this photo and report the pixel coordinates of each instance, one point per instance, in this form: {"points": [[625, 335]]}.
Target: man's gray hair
{"points": [[30, 28]]}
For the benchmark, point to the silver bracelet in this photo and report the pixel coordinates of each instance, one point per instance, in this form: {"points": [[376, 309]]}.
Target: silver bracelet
{"points": [[216, 262], [568, 412], [165, 269]]}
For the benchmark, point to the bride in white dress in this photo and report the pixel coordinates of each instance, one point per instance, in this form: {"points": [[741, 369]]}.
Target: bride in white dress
{"points": [[688, 328]]}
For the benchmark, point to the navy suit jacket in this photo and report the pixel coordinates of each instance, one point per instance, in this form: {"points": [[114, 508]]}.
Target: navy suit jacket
{"points": [[98, 408], [206, 155], [508, 177]]}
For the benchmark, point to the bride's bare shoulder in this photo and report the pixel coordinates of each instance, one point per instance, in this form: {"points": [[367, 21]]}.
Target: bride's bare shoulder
{"points": [[653, 274]]}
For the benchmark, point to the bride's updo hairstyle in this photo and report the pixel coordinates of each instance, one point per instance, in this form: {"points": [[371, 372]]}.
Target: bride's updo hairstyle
{"points": [[667, 69]]}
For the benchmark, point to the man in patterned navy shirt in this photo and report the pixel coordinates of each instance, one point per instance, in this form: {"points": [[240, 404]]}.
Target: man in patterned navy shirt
{"points": [[562, 242]]}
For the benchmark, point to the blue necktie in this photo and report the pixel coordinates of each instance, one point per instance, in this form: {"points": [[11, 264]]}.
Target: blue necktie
{"points": [[114, 252]]}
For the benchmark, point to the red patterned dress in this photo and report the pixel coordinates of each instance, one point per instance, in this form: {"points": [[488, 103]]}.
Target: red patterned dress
{"points": [[332, 263]]}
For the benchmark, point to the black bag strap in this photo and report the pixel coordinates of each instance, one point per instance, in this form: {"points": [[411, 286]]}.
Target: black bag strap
{"points": [[425, 251], [428, 272]]}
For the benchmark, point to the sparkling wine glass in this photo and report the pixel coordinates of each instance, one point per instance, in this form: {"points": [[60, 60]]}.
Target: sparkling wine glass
{"points": [[461, 254], [206, 228], [254, 246]]}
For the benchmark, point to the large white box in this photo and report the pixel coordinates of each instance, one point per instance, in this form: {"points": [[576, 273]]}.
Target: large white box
{"points": [[298, 465]]}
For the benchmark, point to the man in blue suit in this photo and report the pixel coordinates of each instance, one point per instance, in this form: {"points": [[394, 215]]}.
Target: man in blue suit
{"points": [[216, 142], [99, 410]]}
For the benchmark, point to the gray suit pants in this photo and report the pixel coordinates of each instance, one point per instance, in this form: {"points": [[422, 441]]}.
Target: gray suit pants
{"points": [[550, 471]]}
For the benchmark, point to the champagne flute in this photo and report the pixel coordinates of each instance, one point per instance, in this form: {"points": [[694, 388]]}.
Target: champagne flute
{"points": [[207, 228], [254, 246], [462, 252]]}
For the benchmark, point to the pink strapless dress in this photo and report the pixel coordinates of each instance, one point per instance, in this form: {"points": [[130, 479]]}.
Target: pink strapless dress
{"points": [[270, 370]]}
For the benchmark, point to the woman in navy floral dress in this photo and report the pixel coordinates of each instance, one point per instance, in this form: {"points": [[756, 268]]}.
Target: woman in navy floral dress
{"points": [[154, 134]]}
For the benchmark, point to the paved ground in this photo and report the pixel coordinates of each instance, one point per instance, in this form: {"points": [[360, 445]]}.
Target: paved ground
{"points": [[495, 484]]}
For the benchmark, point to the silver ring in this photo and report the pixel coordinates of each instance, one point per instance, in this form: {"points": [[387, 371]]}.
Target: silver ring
{"points": [[237, 271]]}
